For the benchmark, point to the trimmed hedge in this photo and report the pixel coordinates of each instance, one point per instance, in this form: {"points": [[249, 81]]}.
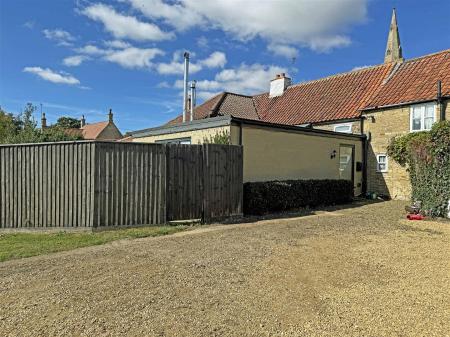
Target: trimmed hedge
{"points": [[278, 196]]}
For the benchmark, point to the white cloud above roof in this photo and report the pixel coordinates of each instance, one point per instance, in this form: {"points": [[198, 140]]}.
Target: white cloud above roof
{"points": [[52, 76], [319, 25], [62, 37], [74, 61], [133, 57], [123, 26], [176, 66]]}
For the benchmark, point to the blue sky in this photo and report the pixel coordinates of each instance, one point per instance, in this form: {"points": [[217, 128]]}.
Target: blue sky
{"points": [[84, 56]]}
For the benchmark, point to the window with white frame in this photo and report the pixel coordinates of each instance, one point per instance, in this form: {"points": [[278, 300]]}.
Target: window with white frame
{"points": [[422, 117], [382, 163], [345, 128]]}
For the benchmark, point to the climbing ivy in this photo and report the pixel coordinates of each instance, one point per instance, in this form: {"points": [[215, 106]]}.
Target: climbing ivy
{"points": [[426, 155]]}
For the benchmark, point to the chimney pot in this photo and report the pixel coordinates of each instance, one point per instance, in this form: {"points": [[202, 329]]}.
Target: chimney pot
{"points": [[82, 122], [110, 116]]}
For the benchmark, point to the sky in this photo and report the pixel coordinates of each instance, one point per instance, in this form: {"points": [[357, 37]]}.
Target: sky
{"points": [[83, 57]]}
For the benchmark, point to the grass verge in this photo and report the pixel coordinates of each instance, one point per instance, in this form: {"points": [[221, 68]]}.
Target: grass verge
{"points": [[19, 245]]}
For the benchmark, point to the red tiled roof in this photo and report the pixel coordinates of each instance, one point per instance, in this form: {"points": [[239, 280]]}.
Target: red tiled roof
{"points": [[331, 98], [92, 131], [342, 96], [415, 80]]}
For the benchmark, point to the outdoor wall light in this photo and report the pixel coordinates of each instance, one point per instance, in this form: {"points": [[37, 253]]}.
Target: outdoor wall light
{"points": [[333, 154]]}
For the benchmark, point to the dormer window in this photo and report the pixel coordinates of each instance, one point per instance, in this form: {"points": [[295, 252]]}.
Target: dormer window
{"points": [[422, 117]]}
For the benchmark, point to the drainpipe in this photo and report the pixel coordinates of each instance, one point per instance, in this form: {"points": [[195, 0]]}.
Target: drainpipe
{"points": [[185, 84]]}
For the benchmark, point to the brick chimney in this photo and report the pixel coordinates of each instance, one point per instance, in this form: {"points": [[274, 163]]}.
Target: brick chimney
{"points": [[278, 85], [82, 121]]}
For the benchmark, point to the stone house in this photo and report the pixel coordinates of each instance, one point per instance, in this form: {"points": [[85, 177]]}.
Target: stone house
{"points": [[375, 103], [106, 130]]}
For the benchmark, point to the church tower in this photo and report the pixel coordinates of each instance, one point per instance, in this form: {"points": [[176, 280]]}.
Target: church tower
{"points": [[393, 47]]}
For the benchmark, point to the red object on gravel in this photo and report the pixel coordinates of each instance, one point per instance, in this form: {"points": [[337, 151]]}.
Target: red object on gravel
{"points": [[415, 217]]}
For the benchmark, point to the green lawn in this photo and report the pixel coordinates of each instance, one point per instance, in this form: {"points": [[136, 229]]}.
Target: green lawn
{"points": [[19, 245]]}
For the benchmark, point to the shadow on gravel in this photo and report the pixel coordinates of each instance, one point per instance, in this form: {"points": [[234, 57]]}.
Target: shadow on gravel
{"points": [[299, 212]]}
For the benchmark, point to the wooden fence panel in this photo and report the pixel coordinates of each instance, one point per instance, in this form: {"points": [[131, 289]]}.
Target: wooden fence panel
{"points": [[44, 185], [123, 173], [184, 181], [98, 184], [223, 172]]}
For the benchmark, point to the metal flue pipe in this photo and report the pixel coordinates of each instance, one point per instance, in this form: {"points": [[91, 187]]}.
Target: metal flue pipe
{"points": [[185, 85], [193, 99]]}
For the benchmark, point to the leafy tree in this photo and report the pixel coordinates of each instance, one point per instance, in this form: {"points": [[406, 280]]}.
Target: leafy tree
{"points": [[68, 123], [23, 129], [8, 124]]}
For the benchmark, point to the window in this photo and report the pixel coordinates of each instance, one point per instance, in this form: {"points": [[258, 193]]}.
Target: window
{"points": [[382, 163], [345, 128], [422, 117]]}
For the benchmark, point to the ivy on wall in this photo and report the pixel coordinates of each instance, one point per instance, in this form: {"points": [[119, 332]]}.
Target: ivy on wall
{"points": [[426, 155]]}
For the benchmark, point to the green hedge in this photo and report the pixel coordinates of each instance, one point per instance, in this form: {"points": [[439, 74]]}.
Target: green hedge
{"points": [[277, 196], [427, 158]]}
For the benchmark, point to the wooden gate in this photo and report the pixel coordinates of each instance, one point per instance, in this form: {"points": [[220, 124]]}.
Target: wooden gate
{"points": [[203, 181]]}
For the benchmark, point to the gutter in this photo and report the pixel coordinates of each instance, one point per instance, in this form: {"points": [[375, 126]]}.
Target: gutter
{"points": [[369, 109], [197, 124], [299, 129]]}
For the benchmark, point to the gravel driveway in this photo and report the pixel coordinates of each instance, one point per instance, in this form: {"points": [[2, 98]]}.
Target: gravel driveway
{"points": [[359, 271]]}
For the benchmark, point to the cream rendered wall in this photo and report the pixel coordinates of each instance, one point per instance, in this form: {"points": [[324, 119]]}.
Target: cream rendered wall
{"points": [[197, 136], [276, 154]]}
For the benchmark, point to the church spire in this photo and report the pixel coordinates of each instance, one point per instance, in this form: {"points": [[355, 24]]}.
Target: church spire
{"points": [[393, 47]]}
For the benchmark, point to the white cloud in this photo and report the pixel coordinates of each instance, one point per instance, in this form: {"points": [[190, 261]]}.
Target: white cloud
{"points": [[248, 79], [117, 44], [215, 60], [176, 66], [29, 24], [52, 76], [91, 50], [175, 14], [62, 37], [324, 44], [205, 95], [283, 50], [76, 60], [122, 53], [163, 84], [123, 26], [133, 57], [319, 25], [244, 79], [203, 42]]}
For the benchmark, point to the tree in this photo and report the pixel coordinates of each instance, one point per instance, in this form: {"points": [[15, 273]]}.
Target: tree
{"points": [[23, 129], [8, 126], [68, 123]]}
